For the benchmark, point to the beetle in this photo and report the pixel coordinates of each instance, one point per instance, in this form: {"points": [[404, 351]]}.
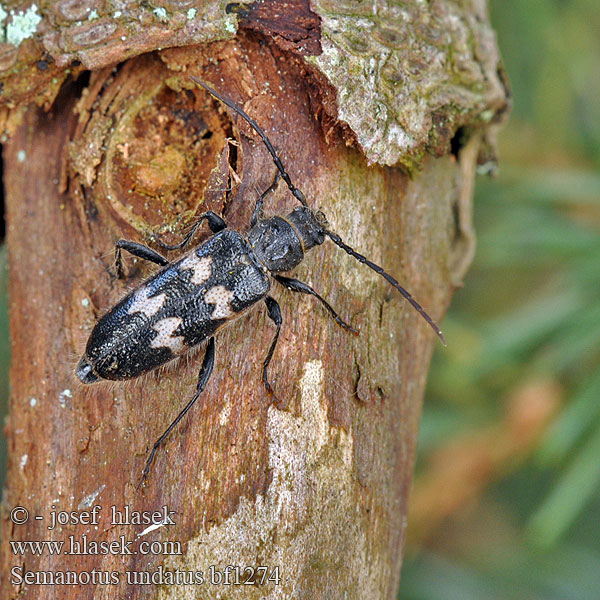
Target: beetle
{"points": [[185, 303]]}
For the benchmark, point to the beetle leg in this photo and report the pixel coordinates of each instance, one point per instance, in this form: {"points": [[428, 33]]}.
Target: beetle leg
{"points": [[205, 372], [295, 285], [257, 213], [215, 224], [274, 313], [138, 250]]}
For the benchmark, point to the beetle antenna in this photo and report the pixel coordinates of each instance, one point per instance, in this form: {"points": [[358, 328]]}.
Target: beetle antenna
{"points": [[360, 258], [295, 191]]}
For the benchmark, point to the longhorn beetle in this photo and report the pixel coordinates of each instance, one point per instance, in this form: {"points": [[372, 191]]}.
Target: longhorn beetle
{"points": [[189, 299]]}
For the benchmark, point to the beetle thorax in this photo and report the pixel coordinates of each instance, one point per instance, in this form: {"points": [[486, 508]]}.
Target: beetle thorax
{"points": [[281, 242]]}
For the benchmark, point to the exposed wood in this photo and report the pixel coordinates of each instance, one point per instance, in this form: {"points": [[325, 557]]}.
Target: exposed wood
{"points": [[291, 24]]}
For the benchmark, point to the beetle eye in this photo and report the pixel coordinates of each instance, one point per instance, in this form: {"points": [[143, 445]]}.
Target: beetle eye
{"points": [[321, 218]]}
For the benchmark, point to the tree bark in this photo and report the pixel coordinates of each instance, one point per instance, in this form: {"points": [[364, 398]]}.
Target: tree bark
{"points": [[316, 488]]}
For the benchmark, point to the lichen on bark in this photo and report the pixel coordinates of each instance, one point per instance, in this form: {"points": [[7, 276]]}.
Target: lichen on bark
{"points": [[403, 77], [409, 74]]}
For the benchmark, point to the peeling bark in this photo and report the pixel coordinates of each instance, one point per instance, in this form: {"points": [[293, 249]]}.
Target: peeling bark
{"points": [[318, 486]]}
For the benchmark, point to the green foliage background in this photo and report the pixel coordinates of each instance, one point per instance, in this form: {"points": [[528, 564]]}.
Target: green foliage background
{"points": [[529, 311]]}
